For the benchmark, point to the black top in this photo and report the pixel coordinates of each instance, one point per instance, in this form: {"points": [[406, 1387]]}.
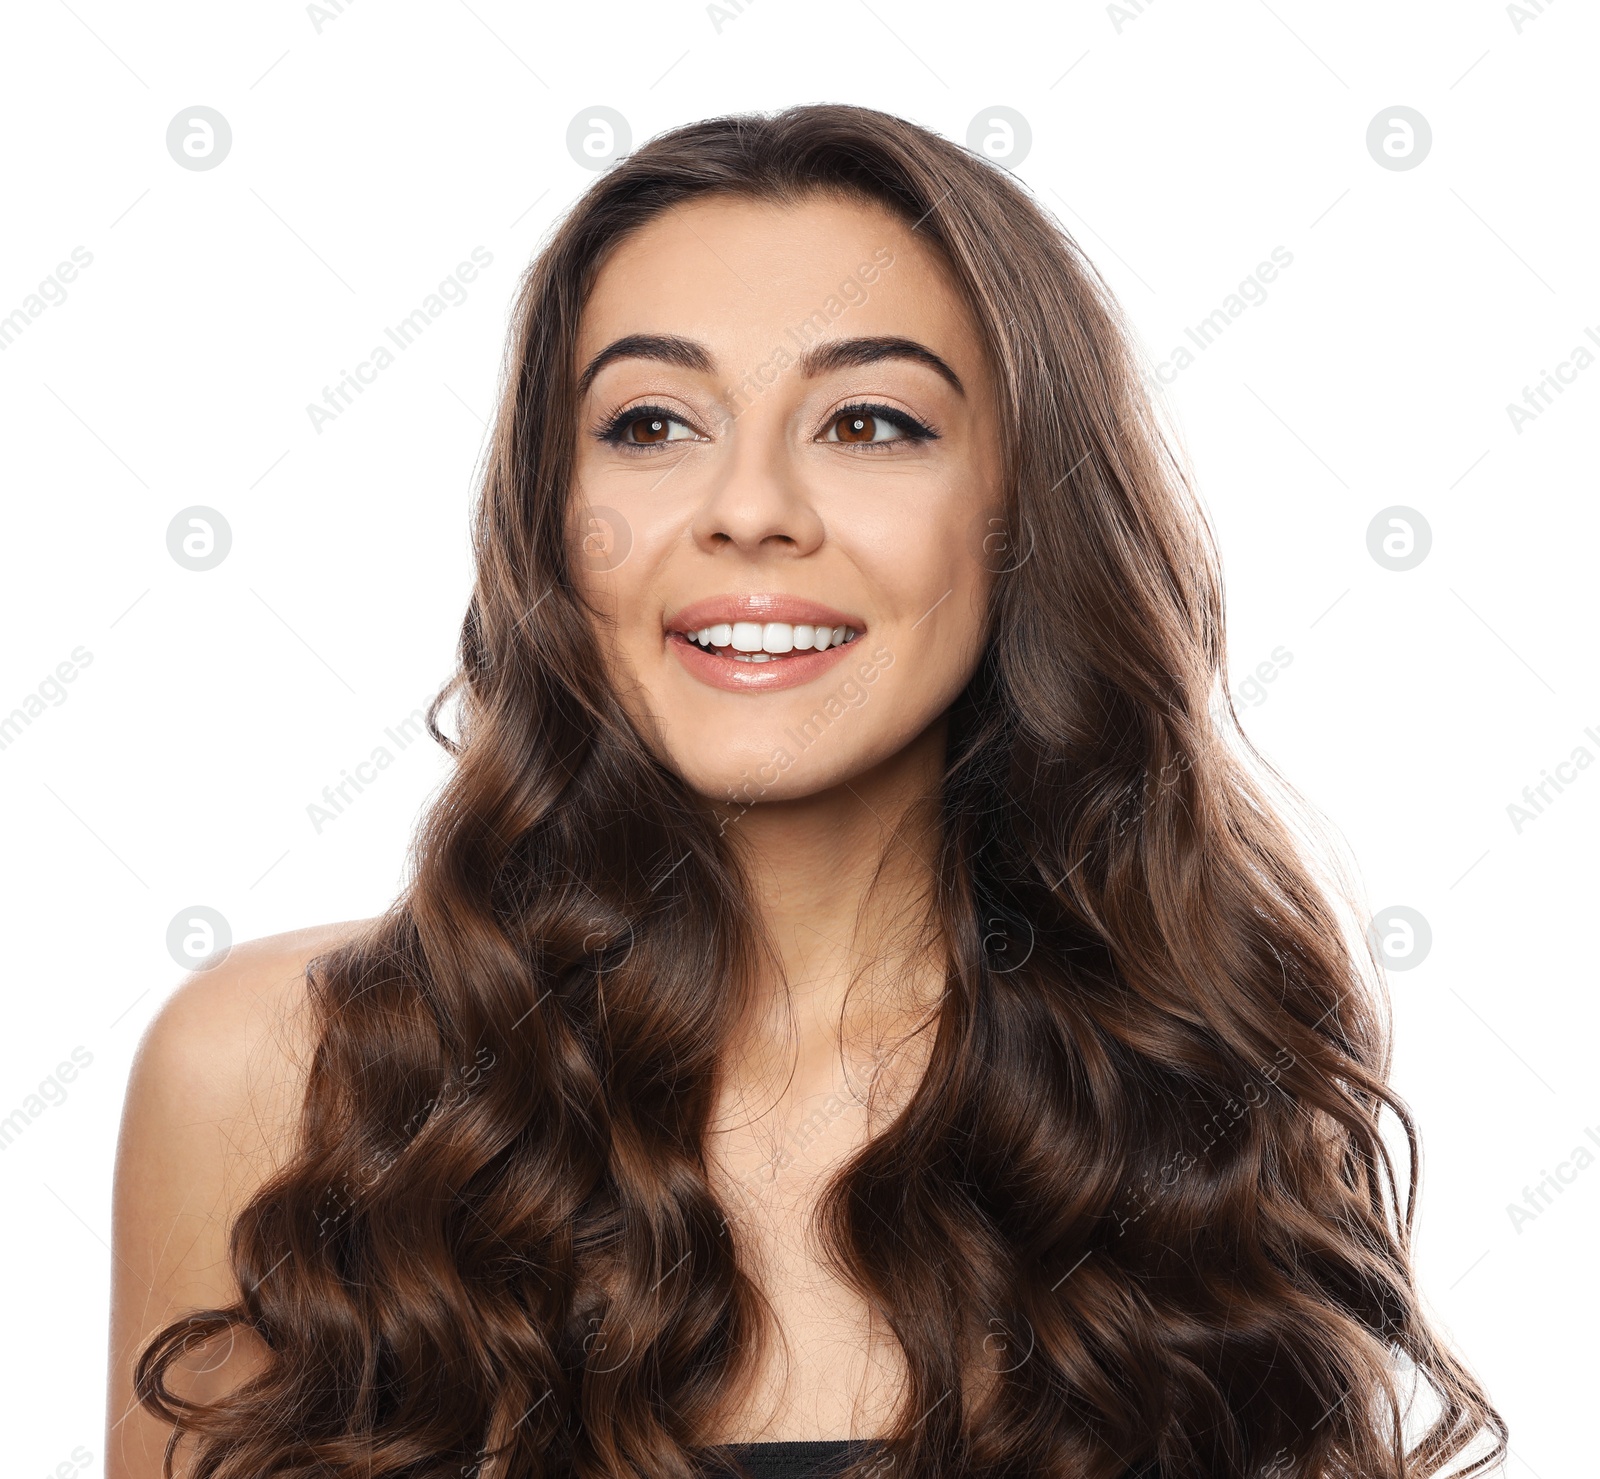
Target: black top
{"points": [[820, 1458]]}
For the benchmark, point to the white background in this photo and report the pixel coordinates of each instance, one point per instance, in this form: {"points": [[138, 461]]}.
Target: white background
{"points": [[1180, 145]]}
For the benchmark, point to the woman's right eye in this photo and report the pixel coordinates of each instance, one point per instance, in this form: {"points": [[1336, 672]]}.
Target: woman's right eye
{"points": [[647, 426]]}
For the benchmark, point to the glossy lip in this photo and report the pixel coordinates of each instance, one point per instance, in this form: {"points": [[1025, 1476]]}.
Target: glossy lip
{"points": [[795, 610], [758, 677]]}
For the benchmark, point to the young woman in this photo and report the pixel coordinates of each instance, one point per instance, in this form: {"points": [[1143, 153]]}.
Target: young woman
{"points": [[852, 996]]}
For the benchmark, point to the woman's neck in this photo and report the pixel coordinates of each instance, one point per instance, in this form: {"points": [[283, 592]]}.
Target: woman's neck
{"points": [[843, 884]]}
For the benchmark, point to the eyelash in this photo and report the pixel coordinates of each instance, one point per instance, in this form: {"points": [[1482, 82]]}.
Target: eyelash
{"points": [[912, 432]]}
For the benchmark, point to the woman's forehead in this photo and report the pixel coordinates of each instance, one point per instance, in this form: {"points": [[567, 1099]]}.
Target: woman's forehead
{"points": [[741, 274]]}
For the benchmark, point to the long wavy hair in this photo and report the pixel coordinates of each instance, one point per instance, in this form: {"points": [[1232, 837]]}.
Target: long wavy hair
{"points": [[1138, 1214]]}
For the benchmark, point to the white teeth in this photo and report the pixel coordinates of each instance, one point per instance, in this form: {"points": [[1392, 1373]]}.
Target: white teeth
{"points": [[753, 641]]}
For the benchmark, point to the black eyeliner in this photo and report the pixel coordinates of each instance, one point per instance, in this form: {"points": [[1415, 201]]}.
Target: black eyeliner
{"points": [[902, 420], [612, 430]]}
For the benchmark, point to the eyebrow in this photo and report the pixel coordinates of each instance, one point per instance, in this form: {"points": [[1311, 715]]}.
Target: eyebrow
{"points": [[818, 359], [668, 348]]}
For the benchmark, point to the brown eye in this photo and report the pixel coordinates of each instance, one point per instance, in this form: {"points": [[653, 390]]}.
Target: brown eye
{"points": [[875, 428], [642, 427]]}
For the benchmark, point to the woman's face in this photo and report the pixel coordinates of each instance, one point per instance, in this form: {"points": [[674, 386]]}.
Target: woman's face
{"points": [[787, 459]]}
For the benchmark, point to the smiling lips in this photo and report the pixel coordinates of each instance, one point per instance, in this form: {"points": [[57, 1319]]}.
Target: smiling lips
{"points": [[744, 643], [754, 641]]}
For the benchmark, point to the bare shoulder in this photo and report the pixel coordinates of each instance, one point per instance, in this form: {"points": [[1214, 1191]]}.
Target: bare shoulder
{"points": [[217, 1080], [210, 1113], [235, 1038]]}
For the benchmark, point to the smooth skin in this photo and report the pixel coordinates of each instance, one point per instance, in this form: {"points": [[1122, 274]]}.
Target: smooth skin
{"points": [[758, 483], [209, 1114]]}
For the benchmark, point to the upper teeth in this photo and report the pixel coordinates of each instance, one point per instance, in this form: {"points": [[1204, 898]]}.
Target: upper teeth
{"points": [[771, 636]]}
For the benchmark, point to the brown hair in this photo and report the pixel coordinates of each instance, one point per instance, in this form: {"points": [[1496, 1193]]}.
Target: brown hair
{"points": [[1146, 1148]]}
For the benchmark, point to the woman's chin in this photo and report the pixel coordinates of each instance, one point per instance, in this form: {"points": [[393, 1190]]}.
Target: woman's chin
{"points": [[761, 780], [769, 770]]}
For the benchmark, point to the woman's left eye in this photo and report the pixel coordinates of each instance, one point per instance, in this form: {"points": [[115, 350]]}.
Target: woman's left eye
{"points": [[863, 426]]}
